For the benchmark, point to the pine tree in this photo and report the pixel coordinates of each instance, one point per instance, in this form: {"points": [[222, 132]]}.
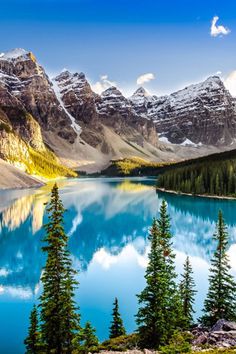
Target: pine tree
{"points": [[117, 328], [89, 339], [187, 292], [220, 301], [59, 317], [160, 312], [173, 315], [32, 341]]}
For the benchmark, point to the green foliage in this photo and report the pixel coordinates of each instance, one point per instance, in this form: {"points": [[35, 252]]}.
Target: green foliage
{"points": [[127, 165], [160, 310], [187, 293], [46, 165], [122, 343], [132, 166], [179, 343], [87, 341], [211, 176], [117, 328], [218, 351], [220, 301], [32, 341], [59, 318]]}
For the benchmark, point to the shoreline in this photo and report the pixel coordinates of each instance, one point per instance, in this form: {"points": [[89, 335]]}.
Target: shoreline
{"points": [[195, 195], [38, 183]]}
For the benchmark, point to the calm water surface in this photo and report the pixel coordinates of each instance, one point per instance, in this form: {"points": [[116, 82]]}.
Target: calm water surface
{"points": [[107, 221]]}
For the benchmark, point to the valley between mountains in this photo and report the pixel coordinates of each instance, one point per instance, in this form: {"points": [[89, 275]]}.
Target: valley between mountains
{"points": [[52, 128]]}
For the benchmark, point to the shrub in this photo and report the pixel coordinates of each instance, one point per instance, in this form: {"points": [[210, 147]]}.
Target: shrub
{"points": [[122, 343], [178, 344]]}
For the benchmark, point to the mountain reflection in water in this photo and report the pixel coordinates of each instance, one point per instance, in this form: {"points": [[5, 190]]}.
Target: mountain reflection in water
{"points": [[107, 221]]}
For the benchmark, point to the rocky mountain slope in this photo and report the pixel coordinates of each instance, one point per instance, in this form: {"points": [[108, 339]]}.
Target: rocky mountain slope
{"points": [[48, 124], [111, 109], [203, 113]]}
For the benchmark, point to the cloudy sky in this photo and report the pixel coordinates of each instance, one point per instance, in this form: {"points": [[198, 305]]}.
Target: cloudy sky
{"points": [[162, 45]]}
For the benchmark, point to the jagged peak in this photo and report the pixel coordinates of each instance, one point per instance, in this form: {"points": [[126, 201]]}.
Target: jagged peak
{"points": [[17, 53], [214, 79], [67, 75], [111, 91], [64, 75], [211, 80], [80, 76], [212, 83], [141, 91]]}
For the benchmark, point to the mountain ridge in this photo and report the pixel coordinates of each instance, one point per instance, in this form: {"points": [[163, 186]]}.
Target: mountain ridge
{"points": [[86, 131]]}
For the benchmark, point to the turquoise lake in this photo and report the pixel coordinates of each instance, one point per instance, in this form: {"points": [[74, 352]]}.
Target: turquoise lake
{"points": [[107, 221]]}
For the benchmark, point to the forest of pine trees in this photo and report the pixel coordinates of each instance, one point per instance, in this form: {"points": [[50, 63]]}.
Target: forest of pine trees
{"points": [[166, 306], [208, 176]]}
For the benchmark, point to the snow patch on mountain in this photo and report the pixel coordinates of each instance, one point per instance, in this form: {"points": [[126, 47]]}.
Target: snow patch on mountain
{"points": [[74, 125], [14, 54], [113, 100], [164, 139], [188, 142]]}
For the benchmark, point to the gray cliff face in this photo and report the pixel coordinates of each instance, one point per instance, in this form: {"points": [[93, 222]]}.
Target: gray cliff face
{"points": [[142, 102], [111, 109], [77, 95], [202, 113], [27, 85]]}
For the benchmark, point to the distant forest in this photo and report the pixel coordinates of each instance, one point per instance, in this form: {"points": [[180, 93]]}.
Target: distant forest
{"points": [[211, 175]]}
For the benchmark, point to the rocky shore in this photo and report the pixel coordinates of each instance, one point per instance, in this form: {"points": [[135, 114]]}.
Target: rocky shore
{"points": [[221, 338], [221, 335]]}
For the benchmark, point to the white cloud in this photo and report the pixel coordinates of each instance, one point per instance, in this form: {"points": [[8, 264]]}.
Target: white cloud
{"points": [[145, 78], [103, 84], [4, 272], [218, 30], [230, 83], [106, 260], [18, 292]]}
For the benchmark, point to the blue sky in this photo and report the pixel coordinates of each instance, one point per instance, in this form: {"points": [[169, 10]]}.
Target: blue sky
{"points": [[124, 39]]}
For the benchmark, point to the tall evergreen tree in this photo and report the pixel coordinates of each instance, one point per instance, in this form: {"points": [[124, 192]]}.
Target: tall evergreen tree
{"points": [[89, 340], [187, 291], [220, 301], [117, 328], [32, 341], [173, 310], [59, 317], [160, 312]]}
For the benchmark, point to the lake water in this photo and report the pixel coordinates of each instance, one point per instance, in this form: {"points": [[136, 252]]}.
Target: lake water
{"points": [[107, 221]]}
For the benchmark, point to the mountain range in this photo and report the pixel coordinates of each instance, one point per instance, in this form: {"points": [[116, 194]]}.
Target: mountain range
{"points": [[50, 126]]}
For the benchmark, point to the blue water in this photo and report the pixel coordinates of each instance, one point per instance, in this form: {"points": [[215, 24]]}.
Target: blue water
{"points": [[107, 221]]}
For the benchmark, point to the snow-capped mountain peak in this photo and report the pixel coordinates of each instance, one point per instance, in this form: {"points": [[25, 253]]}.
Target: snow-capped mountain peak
{"points": [[141, 92], [141, 100], [15, 54], [111, 91]]}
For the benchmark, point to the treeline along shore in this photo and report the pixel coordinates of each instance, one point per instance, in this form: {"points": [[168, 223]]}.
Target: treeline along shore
{"points": [[214, 175]]}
